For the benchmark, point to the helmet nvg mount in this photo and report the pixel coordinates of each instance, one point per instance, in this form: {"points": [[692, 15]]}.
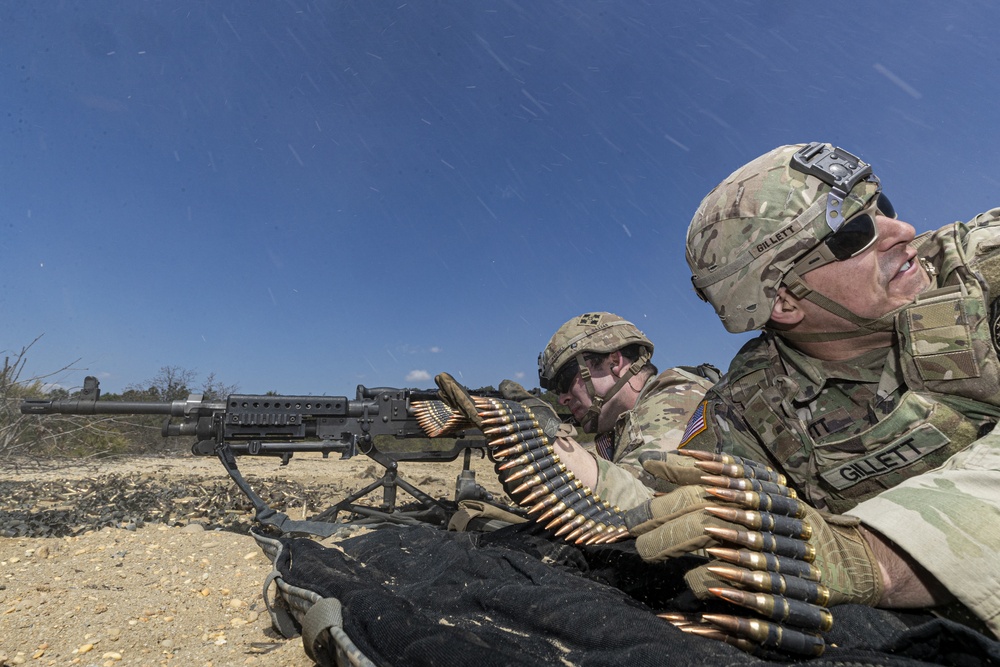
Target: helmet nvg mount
{"points": [[593, 333], [750, 230]]}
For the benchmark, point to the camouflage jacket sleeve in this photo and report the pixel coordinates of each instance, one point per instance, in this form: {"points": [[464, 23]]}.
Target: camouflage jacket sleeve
{"points": [[948, 520], [619, 486], [655, 423]]}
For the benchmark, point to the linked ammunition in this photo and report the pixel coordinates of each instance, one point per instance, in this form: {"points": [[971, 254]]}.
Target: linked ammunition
{"points": [[574, 522], [597, 512], [563, 493], [529, 457], [748, 484], [676, 617], [485, 404], [774, 583], [543, 475], [708, 631], [436, 418], [616, 517], [496, 414], [763, 471], [706, 456], [514, 427], [521, 448], [711, 632], [592, 509], [576, 535], [774, 523], [502, 418], [766, 542], [757, 469], [581, 506], [602, 531], [779, 608], [590, 535], [612, 534], [769, 634], [563, 517], [555, 485], [742, 470], [766, 562], [535, 466], [561, 505], [760, 501], [514, 438]]}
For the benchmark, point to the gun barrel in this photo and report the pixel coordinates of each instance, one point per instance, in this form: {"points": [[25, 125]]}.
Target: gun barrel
{"points": [[89, 407]]}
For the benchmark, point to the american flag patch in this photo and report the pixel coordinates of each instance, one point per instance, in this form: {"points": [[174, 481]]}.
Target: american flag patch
{"points": [[696, 424], [605, 445]]}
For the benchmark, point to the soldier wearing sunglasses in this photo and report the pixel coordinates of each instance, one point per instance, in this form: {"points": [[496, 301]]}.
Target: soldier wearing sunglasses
{"points": [[599, 365], [874, 387]]}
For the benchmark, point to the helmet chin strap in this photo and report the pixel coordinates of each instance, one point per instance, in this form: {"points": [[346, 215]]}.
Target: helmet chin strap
{"points": [[590, 419], [866, 326]]}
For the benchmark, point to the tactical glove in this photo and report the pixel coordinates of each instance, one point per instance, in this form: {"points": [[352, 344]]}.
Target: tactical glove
{"points": [[458, 398], [544, 414], [789, 560]]}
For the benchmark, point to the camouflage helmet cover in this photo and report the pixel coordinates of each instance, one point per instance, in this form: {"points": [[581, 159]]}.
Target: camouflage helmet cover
{"points": [[599, 333], [750, 229]]}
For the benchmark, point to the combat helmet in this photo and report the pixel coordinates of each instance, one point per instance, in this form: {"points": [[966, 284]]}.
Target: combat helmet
{"points": [[594, 333], [749, 231]]}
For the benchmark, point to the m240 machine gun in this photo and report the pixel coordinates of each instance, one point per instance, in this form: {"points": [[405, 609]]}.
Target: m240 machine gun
{"points": [[280, 426]]}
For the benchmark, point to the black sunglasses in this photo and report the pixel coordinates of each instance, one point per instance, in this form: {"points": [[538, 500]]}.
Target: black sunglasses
{"points": [[565, 377], [851, 238]]}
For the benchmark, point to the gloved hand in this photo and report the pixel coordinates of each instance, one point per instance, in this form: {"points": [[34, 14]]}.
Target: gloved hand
{"points": [[458, 398], [675, 523], [543, 412], [794, 559]]}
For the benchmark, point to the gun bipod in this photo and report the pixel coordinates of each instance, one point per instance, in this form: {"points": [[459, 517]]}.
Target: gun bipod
{"points": [[432, 510]]}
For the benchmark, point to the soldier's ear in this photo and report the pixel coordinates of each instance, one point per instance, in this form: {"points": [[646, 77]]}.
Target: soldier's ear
{"points": [[786, 310], [618, 364]]}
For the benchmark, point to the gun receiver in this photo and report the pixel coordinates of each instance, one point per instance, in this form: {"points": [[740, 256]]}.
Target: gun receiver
{"points": [[272, 425]]}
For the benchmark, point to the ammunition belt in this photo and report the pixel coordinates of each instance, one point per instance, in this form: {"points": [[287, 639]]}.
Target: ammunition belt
{"points": [[766, 567], [538, 481]]}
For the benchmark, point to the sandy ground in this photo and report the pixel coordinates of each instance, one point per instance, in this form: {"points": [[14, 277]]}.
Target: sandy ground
{"points": [[155, 593]]}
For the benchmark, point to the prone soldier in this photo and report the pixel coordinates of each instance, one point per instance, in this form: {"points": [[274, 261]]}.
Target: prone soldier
{"points": [[600, 366], [874, 386]]}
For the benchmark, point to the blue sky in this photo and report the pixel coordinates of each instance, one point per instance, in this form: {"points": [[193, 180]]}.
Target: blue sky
{"points": [[304, 196]]}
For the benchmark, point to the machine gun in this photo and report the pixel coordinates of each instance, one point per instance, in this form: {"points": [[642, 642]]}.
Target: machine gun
{"points": [[266, 425]]}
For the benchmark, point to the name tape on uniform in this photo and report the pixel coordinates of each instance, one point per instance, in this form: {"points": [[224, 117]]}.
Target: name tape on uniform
{"points": [[899, 453]]}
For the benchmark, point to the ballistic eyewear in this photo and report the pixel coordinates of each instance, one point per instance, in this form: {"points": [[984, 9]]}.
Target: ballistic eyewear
{"points": [[565, 377], [851, 238]]}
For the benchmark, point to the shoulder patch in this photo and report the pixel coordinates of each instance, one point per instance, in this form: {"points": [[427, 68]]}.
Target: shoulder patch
{"points": [[696, 424]]}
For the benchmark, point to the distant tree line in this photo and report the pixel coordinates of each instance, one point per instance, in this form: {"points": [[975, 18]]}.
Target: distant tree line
{"points": [[77, 436], [110, 435]]}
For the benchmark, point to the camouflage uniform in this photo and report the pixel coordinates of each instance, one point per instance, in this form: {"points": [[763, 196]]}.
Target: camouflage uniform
{"points": [[842, 432], [902, 438], [948, 520], [658, 417], [655, 423]]}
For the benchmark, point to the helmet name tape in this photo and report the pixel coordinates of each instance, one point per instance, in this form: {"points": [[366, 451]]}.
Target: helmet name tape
{"points": [[775, 239]]}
